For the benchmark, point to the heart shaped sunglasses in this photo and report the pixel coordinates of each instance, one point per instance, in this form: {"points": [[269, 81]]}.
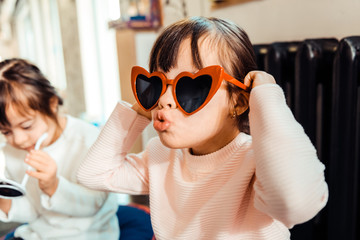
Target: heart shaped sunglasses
{"points": [[192, 91]]}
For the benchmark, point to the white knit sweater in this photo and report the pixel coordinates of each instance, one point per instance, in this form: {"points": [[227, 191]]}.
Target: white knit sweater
{"points": [[74, 211]]}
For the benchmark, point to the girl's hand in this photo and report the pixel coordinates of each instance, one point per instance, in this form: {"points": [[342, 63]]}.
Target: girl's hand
{"points": [[45, 170], [257, 78], [5, 205], [140, 111]]}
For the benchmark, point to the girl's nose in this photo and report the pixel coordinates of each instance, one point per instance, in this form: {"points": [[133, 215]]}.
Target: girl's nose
{"points": [[167, 99]]}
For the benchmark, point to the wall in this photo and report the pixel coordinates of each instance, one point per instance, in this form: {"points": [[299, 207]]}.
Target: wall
{"points": [[8, 49], [284, 20]]}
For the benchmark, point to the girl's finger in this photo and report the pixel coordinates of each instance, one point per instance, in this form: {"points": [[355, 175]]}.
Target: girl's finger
{"points": [[35, 174], [36, 160], [39, 157], [256, 78], [38, 154], [39, 166], [249, 78]]}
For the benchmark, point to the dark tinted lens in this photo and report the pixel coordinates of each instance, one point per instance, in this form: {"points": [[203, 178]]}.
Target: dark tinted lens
{"points": [[9, 192], [191, 93], [148, 90]]}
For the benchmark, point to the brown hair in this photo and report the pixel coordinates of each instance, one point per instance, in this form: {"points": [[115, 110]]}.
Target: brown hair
{"points": [[22, 84], [234, 48]]}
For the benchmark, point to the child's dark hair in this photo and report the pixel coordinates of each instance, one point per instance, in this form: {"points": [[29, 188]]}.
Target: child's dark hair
{"points": [[234, 49], [23, 85]]}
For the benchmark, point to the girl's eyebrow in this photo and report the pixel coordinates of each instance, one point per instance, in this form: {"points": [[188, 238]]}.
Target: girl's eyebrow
{"points": [[4, 128], [22, 122], [27, 118]]}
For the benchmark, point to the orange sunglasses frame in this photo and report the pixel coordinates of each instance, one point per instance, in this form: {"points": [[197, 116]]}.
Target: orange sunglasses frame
{"points": [[216, 72]]}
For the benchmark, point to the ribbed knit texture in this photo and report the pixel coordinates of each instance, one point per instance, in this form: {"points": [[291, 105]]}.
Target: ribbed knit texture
{"points": [[254, 188]]}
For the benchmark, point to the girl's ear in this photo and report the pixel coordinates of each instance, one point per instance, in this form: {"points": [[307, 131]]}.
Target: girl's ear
{"points": [[240, 103], [54, 103]]}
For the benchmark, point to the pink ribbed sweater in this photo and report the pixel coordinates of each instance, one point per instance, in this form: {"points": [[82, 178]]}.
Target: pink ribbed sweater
{"points": [[256, 187]]}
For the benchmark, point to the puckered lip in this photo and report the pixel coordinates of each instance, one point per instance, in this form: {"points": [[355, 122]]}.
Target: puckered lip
{"points": [[160, 116], [161, 121]]}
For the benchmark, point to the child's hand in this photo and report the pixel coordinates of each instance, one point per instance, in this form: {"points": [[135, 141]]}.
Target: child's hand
{"points": [[140, 111], [5, 205], [257, 78], [46, 171]]}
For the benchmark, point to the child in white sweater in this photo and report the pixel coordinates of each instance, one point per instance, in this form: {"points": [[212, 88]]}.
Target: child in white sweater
{"points": [[206, 176], [55, 206]]}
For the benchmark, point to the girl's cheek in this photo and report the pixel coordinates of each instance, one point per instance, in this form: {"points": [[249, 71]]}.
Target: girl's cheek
{"points": [[10, 140]]}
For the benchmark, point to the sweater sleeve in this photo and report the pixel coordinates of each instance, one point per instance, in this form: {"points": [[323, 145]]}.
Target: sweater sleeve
{"points": [[290, 184], [21, 211], [84, 202], [108, 166]]}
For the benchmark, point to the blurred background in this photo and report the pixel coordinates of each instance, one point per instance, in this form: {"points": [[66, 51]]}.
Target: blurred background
{"points": [[86, 48]]}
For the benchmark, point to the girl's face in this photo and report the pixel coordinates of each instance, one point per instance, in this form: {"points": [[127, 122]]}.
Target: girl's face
{"points": [[25, 130], [204, 132]]}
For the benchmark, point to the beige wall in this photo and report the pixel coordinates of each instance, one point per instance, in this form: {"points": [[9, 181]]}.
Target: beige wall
{"points": [[8, 49], [285, 20], [126, 48]]}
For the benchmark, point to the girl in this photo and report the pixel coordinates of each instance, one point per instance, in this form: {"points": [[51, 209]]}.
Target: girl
{"points": [[206, 177], [55, 205]]}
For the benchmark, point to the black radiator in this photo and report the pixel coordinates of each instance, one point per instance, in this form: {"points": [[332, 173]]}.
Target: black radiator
{"points": [[321, 82]]}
